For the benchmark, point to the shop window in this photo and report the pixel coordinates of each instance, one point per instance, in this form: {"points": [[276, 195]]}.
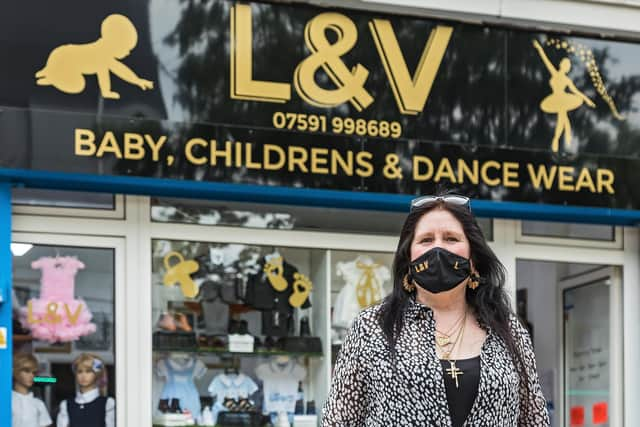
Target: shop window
{"points": [[238, 333], [67, 203], [63, 331], [605, 233], [284, 217], [358, 280]]}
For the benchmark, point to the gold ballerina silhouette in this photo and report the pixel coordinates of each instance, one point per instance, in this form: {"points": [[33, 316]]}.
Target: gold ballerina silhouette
{"points": [[561, 102], [68, 64]]}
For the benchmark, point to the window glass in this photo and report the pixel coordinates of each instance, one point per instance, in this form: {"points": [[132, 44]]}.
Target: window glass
{"points": [[240, 327], [358, 280], [63, 199], [568, 230], [63, 325], [284, 217]]}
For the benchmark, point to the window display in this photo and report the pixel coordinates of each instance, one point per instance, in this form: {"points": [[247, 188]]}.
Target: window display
{"points": [[233, 333], [56, 293], [359, 280]]}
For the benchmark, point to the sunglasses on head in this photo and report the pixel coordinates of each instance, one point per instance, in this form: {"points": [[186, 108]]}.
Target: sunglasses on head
{"points": [[452, 199]]}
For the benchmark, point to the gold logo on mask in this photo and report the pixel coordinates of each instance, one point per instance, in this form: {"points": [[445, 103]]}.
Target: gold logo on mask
{"points": [[68, 64], [421, 267], [455, 267]]}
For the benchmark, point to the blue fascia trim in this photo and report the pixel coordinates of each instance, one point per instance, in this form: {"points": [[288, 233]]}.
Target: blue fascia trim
{"points": [[303, 196], [6, 354]]}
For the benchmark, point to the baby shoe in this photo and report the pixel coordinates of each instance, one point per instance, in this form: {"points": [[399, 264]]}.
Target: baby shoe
{"points": [[182, 323], [167, 322]]}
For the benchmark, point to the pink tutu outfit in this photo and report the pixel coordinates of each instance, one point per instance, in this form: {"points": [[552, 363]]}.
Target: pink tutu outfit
{"points": [[57, 316]]}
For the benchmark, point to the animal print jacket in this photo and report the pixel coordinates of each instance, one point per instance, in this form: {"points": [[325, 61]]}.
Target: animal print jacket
{"points": [[367, 390]]}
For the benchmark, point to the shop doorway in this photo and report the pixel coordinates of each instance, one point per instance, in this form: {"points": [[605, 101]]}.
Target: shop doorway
{"points": [[574, 314]]}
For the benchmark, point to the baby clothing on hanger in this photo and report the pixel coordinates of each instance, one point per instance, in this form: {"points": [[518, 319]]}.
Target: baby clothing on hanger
{"points": [[280, 385], [179, 372], [233, 386], [364, 286], [57, 316]]}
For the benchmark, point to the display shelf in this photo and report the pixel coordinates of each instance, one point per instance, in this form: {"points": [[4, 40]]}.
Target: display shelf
{"points": [[222, 352]]}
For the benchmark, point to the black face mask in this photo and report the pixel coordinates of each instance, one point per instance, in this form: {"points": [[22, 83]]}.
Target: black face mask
{"points": [[439, 270]]}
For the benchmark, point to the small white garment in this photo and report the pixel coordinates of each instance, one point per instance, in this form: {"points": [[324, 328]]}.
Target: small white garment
{"points": [[280, 385], [88, 397], [28, 411], [232, 386], [365, 282]]}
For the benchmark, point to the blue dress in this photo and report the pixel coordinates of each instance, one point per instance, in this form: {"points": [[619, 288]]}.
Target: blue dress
{"points": [[179, 373]]}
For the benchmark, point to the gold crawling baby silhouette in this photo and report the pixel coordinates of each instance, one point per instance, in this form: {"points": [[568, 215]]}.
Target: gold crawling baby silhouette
{"points": [[68, 64]]}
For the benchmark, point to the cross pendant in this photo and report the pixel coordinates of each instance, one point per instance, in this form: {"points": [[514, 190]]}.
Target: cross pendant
{"points": [[454, 371]]}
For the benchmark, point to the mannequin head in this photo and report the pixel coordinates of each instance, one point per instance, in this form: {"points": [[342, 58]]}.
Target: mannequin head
{"points": [[90, 373], [25, 367]]}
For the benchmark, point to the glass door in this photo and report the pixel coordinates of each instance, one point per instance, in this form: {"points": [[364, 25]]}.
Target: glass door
{"points": [[591, 348]]}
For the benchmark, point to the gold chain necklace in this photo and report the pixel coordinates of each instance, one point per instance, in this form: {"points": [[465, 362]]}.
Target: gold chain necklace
{"points": [[453, 370], [444, 339]]}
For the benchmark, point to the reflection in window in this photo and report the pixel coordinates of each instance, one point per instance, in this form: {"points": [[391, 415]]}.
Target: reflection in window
{"points": [[284, 217], [63, 324], [568, 230], [62, 199]]}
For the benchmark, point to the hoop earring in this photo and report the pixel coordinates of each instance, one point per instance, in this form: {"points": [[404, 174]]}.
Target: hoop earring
{"points": [[474, 281], [408, 286]]}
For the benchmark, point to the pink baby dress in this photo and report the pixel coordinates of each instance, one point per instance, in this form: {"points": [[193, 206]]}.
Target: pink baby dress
{"points": [[57, 316]]}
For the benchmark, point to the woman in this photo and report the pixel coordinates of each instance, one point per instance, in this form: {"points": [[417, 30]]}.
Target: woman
{"points": [[444, 349]]}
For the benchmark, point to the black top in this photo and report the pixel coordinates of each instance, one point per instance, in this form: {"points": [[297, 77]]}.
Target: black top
{"points": [[461, 398], [90, 414]]}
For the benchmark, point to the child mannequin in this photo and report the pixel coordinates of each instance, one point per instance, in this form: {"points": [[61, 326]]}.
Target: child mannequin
{"points": [[26, 410], [91, 406]]}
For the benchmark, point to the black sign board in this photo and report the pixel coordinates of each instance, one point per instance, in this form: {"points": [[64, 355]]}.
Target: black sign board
{"points": [[298, 96]]}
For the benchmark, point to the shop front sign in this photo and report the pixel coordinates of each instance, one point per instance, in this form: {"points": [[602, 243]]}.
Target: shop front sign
{"points": [[297, 96]]}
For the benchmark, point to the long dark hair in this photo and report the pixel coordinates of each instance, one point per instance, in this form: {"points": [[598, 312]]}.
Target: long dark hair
{"points": [[489, 301]]}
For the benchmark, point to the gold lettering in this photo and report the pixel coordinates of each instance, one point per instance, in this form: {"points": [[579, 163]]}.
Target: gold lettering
{"points": [[485, 175], [542, 175], [248, 152], [605, 178], [298, 157], [155, 145], [133, 146], [225, 154], [345, 165], [242, 84], [509, 173], [445, 171], [30, 319], [463, 169], [585, 180], [73, 318], [318, 158], [417, 161], [565, 178], [238, 155], [363, 160], [109, 145], [411, 93], [268, 164], [85, 142], [188, 151]]}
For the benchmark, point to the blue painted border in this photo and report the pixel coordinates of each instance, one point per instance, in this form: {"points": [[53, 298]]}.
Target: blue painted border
{"points": [[6, 359], [303, 196]]}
